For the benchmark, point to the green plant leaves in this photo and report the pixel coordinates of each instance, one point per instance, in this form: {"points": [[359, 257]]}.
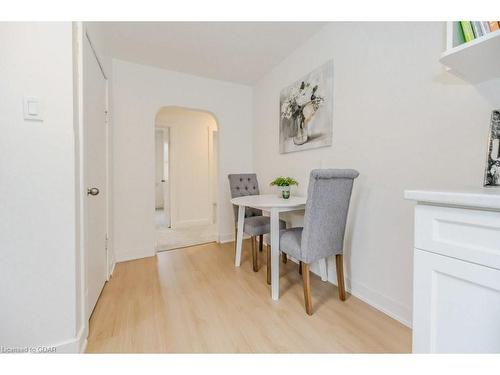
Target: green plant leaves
{"points": [[284, 181]]}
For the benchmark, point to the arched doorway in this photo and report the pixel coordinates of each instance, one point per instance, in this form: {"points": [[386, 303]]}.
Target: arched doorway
{"points": [[186, 149]]}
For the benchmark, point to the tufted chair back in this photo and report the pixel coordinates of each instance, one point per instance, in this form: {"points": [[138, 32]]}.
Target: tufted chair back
{"points": [[325, 217], [244, 184]]}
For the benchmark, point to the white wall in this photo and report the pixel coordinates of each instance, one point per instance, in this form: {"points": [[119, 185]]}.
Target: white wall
{"points": [[37, 173], [139, 92], [191, 159], [401, 120]]}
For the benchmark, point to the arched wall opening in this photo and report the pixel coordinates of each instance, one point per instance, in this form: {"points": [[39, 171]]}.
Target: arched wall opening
{"points": [[186, 177]]}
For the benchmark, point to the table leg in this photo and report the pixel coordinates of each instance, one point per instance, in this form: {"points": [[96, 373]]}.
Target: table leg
{"points": [[323, 269], [275, 255], [239, 235]]}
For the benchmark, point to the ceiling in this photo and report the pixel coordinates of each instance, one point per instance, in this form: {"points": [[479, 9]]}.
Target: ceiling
{"points": [[241, 52]]}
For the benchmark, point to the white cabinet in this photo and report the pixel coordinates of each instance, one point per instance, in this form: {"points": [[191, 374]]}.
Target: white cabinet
{"points": [[456, 306], [456, 296]]}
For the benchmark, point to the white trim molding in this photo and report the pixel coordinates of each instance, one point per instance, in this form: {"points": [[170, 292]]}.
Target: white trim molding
{"points": [[133, 255], [229, 237], [375, 299], [74, 345]]}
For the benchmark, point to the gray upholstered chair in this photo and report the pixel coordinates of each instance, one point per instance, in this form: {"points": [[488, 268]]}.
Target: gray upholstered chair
{"points": [[255, 223], [328, 197]]}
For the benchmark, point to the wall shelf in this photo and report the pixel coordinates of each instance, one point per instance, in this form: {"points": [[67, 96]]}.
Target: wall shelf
{"points": [[475, 61]]}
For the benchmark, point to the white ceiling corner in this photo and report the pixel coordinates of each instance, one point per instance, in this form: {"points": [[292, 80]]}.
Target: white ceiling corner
{"points": [[240, 52]]}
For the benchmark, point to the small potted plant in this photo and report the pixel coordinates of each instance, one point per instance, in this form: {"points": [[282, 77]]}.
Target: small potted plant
{"points": [[283, 184]]}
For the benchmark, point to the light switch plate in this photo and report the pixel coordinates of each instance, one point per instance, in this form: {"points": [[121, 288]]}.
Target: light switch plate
{"points": [[32, 109]]}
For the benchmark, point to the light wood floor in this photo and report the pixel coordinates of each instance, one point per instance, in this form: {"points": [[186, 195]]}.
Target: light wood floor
{"points": [[195, 300]]}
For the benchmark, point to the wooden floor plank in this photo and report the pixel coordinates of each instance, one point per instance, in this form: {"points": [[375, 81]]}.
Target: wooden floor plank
{"points": [[194, 300]]}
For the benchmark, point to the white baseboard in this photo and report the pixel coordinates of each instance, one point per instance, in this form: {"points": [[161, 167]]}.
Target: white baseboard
{"points": [[229, 237], [74, 345], [190, 223], [112, 269], [372, 297], [225, 238], [188, 243], [381, 302], [83, 347], [133, 255], [83, 337]]}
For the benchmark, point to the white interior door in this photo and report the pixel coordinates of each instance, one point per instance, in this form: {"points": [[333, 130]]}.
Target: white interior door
{"points": [[95, 149], [166, 175], [159, 173]]}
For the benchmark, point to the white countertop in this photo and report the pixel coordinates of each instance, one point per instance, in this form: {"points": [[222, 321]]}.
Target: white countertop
{"points": [[479, 197]]}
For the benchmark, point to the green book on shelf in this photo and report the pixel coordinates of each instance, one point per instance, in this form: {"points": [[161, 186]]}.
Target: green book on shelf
{"points": [[458, 35], [467, 30]]}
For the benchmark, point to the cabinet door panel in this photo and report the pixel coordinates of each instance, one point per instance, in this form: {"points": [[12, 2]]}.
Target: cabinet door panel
{"points": [[456, 306]]}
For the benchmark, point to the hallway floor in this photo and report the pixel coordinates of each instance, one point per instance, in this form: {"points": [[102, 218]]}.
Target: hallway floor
{"points": [[169, 238], [195, 300]]}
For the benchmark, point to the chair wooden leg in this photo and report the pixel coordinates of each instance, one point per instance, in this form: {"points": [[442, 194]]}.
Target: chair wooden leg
{"points": [[307, 288], [268, 250], [300, 268], [261, 242], [255, 260], [284, 257], [339, 263]]}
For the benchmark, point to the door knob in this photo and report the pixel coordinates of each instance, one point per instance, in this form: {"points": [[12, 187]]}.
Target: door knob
{"points": [[92, 191]]}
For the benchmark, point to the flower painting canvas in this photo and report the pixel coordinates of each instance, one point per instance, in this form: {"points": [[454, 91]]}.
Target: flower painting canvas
{"points": [[306, 111]]}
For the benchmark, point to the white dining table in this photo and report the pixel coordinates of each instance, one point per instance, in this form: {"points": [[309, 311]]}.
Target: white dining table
{"points": [[274, 205]]}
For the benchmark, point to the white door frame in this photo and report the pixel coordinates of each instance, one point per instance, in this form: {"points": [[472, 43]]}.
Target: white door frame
{"points": [[110, 258], [213, 169], [165, 133], [80, 35], [167, 199]]}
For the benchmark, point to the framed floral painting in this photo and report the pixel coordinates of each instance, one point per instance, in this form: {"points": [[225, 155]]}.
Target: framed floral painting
{"points": [[306, 111]]}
